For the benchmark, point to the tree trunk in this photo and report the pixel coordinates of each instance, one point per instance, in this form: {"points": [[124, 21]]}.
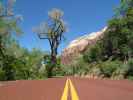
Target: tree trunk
{"points": [[53, 61]]}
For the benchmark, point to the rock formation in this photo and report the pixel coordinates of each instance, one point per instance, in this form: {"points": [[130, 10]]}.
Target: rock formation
{"points": [[79, 45]]}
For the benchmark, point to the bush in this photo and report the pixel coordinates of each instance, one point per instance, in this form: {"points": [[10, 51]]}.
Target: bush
{"points": [[130, 68], [77, 67], [120, 72], [109, 67], [130, 77], [2, 74], [95, 70], [93, 54]]}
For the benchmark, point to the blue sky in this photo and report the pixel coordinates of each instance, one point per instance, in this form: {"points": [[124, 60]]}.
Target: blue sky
{"points": [[82, 17]]}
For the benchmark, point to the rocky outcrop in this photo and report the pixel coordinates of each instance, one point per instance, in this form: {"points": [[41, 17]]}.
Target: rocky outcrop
{"points": [[79, 45]]}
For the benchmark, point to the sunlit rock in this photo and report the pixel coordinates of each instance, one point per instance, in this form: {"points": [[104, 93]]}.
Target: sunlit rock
{"points": [[79, 45]]}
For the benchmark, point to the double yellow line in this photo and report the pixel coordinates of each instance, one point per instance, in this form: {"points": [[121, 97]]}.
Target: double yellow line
{"points": [[74, 95]]}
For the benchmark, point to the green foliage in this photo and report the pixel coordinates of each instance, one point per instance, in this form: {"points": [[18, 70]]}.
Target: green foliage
{"points": [[57, 70], [93, 54], [20, 63], [111, 57], [130, 77], [108, 67], [15, 61], [117, 41], [2, 74], [77, 67], [130, 67], [119, 36], [124, 6], [95, 70]]}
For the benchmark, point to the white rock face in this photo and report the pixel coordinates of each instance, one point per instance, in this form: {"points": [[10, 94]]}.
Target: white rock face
{"points": [[79, 45]]}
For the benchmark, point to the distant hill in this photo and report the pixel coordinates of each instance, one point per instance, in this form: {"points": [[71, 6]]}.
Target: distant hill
{"points": [[79, 45]]}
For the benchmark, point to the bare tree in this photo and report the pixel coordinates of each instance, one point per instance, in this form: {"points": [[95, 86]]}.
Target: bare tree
{"points": [[52, 30]]}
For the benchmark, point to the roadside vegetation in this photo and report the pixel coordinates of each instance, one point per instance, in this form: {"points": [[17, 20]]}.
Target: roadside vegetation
{"points": [[110, 57]]}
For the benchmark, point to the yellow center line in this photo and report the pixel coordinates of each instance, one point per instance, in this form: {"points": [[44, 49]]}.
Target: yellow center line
{"points": [[65, 93], [74, 95], [73, 91]]}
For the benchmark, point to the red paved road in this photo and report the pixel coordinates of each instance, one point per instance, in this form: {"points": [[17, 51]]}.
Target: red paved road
{"points": [[52, 89], [90, 89], [33, 90]]}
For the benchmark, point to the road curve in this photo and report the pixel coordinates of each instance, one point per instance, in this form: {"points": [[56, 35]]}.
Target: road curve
{"points": [[52, 89]]}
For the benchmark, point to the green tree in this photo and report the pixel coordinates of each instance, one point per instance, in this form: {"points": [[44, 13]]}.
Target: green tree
{"points": [[118, 39], [115, 49], [24, 64], [93, 54], [8, 24]]}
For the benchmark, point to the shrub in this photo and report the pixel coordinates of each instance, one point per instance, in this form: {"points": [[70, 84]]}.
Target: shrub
{"points": [[130, 77], [77, 67], [109, 67], [2, 74], [95, 70], [93, 54], [120, 72], [130, 68]]}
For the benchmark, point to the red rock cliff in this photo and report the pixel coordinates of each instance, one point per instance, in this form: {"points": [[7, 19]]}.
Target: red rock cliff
{"points": [[78, 45]]}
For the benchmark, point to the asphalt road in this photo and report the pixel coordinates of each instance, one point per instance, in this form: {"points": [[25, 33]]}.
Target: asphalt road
{"points": [[67, 89]]}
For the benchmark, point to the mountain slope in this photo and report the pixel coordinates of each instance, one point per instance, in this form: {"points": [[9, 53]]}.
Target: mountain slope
{"points": [[79, 45]]}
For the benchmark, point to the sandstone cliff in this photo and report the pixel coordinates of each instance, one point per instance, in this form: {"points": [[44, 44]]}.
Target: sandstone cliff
{"points": [[79, 45]]}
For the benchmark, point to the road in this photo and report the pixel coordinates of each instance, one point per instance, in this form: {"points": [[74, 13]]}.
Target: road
{"points": [[67, 88]]}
